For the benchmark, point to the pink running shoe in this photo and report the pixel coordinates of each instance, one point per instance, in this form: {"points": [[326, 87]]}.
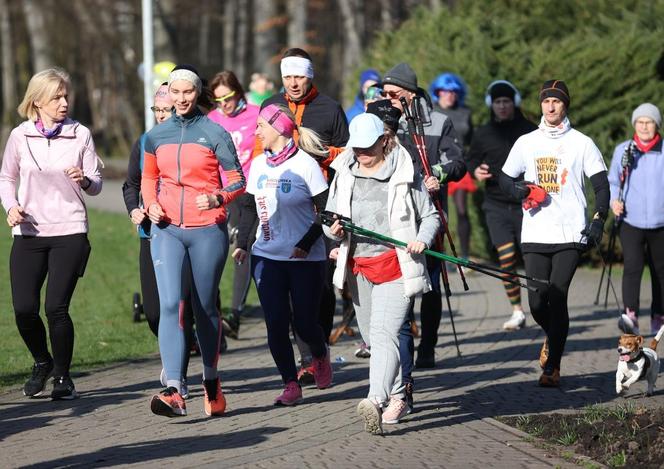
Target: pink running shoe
{"points": [[323, 371], [291, 395], [395, 411], [628, 322]]}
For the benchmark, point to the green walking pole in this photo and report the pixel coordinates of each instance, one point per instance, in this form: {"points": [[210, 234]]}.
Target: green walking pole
{"points": [[327, 218]]}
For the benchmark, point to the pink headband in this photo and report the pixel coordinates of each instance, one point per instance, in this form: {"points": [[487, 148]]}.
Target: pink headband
{"points": [[278, 119]]}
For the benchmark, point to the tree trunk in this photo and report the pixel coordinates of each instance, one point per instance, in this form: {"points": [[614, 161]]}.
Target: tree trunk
{"points": [[9, 87], [242, 19], [229, 34], [297, 23], [37, 35], [386, 15], [164, 36], [352, 51], [265, 37], [204, 33]]}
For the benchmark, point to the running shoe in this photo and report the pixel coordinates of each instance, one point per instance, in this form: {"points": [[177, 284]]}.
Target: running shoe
{"points": [[516, 321], [371, 414], [656, 323], [306, 375], [34, 387], [550, 378], [395, 411], [168, 403], [63, 388], [323, 371], [291, 395], [364, 351], [628, 322], [184, 389], [409, 397], [215, 402]]}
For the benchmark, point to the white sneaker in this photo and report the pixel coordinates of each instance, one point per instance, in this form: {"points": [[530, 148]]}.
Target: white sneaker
{"points": [[516, 322]]}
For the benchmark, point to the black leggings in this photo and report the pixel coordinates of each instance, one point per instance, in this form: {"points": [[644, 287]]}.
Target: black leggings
{"points": [[463, 221], [63, 259], [149, 286], [641, 246], [549, 304]]}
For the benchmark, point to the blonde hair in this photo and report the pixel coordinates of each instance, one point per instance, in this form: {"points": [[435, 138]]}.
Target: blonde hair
{"points": [[308, 140], [43, 86]]}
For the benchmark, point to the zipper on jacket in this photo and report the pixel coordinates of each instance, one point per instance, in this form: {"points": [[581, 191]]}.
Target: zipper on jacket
{"points": [[27, 143], [179, 174]]}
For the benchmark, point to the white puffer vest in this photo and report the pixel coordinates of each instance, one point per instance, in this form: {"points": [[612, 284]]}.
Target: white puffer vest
{"points": [[402, 219]]}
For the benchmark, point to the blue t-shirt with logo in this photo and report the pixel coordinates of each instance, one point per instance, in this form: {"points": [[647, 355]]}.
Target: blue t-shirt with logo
{"points": [[284, 205]]}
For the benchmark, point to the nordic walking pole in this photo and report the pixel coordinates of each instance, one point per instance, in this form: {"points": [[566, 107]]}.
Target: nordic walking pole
{"points": [[420, 144], [626, 163], [328, 218], [419, 122]]}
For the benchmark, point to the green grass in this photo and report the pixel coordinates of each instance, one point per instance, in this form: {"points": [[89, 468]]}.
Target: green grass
{"points": [[101, 306]]}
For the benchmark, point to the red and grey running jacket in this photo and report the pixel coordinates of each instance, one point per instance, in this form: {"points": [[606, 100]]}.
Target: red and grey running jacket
{"points": [[183, 157]]}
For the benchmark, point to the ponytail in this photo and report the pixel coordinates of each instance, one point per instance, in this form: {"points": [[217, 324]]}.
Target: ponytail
{"points": [[311, 143]]}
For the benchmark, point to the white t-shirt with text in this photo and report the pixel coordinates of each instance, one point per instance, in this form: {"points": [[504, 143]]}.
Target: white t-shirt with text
{"points": [[558, 165], [284, 205]]}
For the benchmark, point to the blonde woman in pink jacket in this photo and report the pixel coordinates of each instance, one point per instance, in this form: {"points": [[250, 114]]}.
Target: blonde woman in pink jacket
{"points": [[54, 159]]}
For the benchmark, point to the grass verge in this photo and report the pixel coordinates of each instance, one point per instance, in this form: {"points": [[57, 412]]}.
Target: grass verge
{"points": [[101, 308]]}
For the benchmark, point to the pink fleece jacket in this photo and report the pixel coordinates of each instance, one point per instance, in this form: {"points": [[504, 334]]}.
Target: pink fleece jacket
{"points": [[53, 203]]}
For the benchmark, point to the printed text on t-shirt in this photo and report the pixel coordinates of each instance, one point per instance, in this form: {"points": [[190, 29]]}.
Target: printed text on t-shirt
{"points": [[264, 218], [547, 174]]}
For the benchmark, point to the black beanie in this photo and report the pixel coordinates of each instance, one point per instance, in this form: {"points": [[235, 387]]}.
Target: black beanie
{"points": [[555, 89], [389, 114], [501, 90], [401, 75]]}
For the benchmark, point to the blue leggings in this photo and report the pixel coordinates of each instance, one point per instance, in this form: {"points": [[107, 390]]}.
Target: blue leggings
{"points": [[207, 248], [280, 284]]}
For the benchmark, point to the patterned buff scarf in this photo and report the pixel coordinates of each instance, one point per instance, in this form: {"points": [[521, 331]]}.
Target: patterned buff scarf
{"points": [[241, 106], [48, 133], [557, 131], [275, 159], [646, 147]]}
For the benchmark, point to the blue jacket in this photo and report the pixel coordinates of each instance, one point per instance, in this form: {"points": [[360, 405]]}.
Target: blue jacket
{"points": [[644, 204]]}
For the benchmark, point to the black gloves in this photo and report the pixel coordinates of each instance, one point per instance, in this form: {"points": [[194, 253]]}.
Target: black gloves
{"points": [[594, 231]]}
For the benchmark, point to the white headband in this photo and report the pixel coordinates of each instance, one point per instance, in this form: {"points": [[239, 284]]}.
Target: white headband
{"points": [[186, 75], [297, 67]]}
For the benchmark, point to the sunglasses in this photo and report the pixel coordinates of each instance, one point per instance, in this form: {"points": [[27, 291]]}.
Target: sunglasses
{"points": [[161, 110], [392, 94], [225, 98]]}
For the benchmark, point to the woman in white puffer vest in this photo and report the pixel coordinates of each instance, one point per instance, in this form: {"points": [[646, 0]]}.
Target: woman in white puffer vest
{"points": [[376, 186]]}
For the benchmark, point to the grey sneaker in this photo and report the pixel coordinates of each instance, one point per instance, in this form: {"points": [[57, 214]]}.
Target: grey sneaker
{"points": [[35, 386]]}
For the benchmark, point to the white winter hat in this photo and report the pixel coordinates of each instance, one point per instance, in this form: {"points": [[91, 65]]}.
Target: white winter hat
{"points": [[365, 129], [647, 110]]}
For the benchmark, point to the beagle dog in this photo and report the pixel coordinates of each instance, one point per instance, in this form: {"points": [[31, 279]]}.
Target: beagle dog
{"points": [[637, 362]]}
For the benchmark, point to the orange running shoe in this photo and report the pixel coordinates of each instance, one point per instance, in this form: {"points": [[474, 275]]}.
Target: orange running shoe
{"points": [[168, 403], [215, 402]]}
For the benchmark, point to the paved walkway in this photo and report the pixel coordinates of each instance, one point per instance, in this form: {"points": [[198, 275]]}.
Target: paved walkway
{"points": [[453, 426]]}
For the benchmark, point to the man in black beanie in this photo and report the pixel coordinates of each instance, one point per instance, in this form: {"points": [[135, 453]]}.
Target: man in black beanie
{"points": [[443, 150], [489, 148]]}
